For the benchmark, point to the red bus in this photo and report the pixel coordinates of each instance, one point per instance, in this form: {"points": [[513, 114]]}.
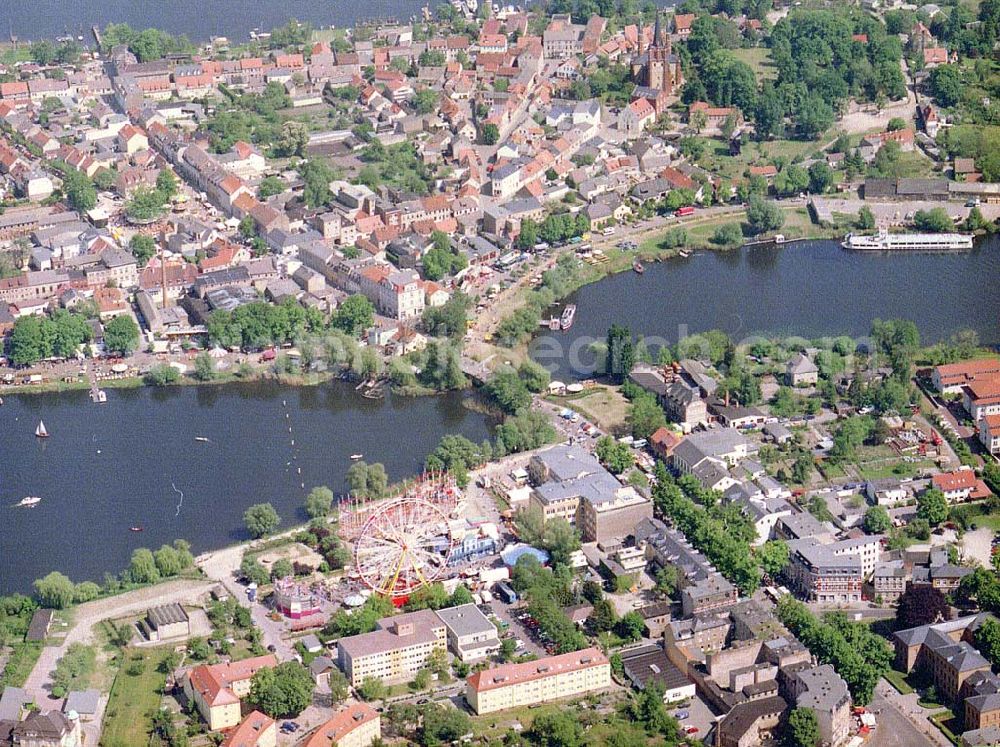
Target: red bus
{"points": [[684, 211]]}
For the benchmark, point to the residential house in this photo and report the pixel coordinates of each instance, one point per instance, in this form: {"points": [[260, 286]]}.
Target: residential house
{"points": [[217, 690]]}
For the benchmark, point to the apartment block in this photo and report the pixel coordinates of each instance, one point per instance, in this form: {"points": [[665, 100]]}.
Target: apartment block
{"points": [[471, 635], [540, 681], [395, 651], [820, 574]]}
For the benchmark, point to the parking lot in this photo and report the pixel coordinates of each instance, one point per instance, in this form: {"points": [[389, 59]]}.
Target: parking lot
{"points": [[509, 614], [699, 716]]}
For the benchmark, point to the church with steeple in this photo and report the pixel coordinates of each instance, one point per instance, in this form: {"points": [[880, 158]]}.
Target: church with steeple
{"points": [[659, 70]]}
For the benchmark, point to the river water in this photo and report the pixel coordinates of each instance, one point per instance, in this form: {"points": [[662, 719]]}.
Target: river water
{"points": [[198, 19], [810, 288], [125, 463]]}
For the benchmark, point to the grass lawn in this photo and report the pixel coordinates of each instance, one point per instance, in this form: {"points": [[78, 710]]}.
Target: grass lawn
{"points": [[495, 725], [945, 721], [718, 161], [602, 405], [759, 60], [19, 665], [989, 520], [882, 470], [915, 164], [133, 698]]}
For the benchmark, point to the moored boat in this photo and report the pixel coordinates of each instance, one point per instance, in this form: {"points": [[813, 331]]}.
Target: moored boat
{"points": [[883, 241], [637, 267], [201, 439], [566, 320], [135, 529], [356, 457]]}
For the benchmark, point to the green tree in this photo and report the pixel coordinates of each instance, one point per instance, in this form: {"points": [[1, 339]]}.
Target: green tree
{"points": [[282, 568], [616, 456], [269, 187], [261, 519], [293, 139], [508, 391], [773, 557], [142, 567], [803, 728], [559, 728], [319, 501], [490, 134], [371, 688], [866, 219], [763, 215], [621, 353], [820, 177], [631, 626], [603, 617], [143, 248], [877, 520], [168, 561], [31, 340], [645, 416], [932, 506], [283, 691], [253, 571], [166, 184], [354, 314], [121, 335], [79, 191], [987, 638], [317, 175], [162, 374], [935, 220], [204, 367], [946, 85], [86, 591], [54, 590], [667, 580]]}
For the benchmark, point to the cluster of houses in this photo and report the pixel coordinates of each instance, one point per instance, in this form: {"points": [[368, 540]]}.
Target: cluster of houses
{"points": [[134, 119], [977, 384]]}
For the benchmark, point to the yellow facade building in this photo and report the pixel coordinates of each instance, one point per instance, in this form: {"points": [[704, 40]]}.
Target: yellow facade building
{"points": [[551, 678]]}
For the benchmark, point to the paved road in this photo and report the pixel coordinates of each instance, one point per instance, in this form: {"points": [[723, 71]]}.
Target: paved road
{"points": [[902, 723]]}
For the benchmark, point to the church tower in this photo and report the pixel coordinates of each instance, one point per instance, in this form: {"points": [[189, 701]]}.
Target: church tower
{"points": [[663, 69]]}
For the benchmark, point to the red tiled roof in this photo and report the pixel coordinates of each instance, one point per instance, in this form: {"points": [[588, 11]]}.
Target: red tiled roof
{"points": [[952, 374], [248, 733], [506, 675], [963, 479], [213, 681], [342, 724]]}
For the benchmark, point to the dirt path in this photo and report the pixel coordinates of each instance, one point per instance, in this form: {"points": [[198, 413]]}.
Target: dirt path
{"points": [[86, 616]]}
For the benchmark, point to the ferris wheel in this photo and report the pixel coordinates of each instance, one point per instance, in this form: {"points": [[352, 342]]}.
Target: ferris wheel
{"points": [[405, 544]]}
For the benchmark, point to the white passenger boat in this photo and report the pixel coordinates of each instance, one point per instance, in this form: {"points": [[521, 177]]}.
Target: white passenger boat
{"points": [[884, 241]]}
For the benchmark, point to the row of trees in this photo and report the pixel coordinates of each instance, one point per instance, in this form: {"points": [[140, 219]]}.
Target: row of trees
{"points": [[860, 656], [556, 228], [57, 591], [722, 533], [60, 335], [257, 325]]}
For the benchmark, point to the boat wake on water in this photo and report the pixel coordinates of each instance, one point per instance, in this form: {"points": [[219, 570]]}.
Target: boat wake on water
{"points": [[181, 502]]}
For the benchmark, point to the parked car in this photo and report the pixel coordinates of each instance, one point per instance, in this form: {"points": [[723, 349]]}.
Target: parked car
{"points": [[681, 715]]}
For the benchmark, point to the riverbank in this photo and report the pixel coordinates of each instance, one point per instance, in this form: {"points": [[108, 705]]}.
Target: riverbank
{"points": [[654, 246]]}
